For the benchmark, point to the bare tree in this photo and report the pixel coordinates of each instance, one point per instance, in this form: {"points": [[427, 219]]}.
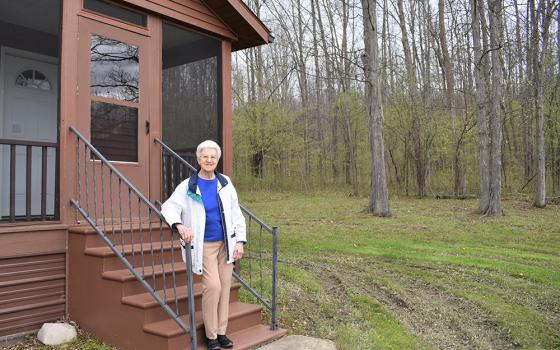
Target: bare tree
{"points": [[495, 8], [448, 72], [481, 72], [379, 198], [545, 12]]}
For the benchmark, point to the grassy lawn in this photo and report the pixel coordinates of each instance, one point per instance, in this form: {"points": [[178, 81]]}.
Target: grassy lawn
{"points": [[435, 276]]}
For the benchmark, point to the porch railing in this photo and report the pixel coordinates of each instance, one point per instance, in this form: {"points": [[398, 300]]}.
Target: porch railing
{"points": [[134, 229], [258, 270], [25, 179]]}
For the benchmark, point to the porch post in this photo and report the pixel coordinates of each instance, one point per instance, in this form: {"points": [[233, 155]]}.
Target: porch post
{"points": [[68, 109], [227, 111]]}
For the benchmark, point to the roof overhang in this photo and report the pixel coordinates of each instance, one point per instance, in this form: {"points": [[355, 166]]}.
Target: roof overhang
{"points": [[250, 30]]}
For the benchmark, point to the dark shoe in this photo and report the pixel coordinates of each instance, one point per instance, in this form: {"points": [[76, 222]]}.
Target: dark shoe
{"points": [[225, 342], [213, 344]]}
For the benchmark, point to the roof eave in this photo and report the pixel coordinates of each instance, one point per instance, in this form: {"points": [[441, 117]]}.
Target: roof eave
{"points": [[250, 29]]}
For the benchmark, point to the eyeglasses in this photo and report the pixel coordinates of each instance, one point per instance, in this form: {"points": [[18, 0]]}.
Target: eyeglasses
{"points": [[212, 158]]}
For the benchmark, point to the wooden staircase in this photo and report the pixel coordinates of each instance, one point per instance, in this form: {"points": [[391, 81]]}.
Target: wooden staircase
{"points": [[105, 299]]}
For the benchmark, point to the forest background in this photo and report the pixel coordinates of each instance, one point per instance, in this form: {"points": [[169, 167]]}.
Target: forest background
{"points": [[453, 74]]}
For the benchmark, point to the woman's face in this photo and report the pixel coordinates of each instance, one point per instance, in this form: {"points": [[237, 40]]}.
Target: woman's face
{"points": [[208, 160]]}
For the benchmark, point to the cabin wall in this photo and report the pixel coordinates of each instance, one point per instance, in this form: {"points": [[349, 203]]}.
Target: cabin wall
{"points": [[34, 257], [191, 12], [32, 277]]}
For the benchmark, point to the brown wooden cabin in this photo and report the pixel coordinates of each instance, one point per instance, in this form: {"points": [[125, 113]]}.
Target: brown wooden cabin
{"points": [[123, 73]]}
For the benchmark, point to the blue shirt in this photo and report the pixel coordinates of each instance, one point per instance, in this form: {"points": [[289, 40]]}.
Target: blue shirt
{"points": [[209, 190]]}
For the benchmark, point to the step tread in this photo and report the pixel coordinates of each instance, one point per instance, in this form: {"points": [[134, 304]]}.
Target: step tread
{"points": [[169, 328], [145, 300], [106, 251], [124, 275], [108, 227], [251, 337]]}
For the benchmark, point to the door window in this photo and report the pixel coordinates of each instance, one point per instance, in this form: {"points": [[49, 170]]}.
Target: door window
{"points": [[114, 82], [33, 79]]}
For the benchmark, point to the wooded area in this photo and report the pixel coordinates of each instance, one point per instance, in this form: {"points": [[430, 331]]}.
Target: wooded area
{"points": [[468, 90]]}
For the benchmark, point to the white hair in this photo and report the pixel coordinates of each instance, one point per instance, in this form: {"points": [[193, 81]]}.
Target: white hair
{"points": [[208, 144]]}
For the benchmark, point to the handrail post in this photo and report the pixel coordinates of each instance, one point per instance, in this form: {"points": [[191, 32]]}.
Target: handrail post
{"points": [[274, 323], [192, 317]]}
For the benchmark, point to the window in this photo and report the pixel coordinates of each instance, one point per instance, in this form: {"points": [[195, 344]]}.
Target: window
{"points": [[109, 9], [115, 69], [114, 131], [33, 79], [190, 90], [114, 83]]}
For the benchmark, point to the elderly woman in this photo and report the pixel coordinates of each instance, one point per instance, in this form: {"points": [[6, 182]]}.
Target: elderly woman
{"points": [[205, 211]]}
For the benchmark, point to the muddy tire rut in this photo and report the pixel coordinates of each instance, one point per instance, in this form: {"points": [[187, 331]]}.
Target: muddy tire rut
{"points": [[443, 320]]}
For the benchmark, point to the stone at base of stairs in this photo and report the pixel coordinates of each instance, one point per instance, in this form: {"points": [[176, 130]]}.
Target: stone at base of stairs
{"points": [[299, 342]]}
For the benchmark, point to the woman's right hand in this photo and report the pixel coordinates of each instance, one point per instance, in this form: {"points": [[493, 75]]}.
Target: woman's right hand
{"points": [[185, 232]]}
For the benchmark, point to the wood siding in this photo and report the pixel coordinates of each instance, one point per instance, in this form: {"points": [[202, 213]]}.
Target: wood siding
{"points": [[32, 278], [191, 12]]}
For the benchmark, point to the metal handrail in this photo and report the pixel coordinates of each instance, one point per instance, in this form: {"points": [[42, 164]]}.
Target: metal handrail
{"points": [[114, 170], [272, 303], [173, 153], [94, 153]]}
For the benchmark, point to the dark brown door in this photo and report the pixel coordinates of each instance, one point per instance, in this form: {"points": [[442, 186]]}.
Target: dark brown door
{"points": [[113, 71]]}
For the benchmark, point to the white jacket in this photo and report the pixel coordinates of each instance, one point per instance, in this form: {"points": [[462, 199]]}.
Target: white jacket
{"points": [[185, 207]]}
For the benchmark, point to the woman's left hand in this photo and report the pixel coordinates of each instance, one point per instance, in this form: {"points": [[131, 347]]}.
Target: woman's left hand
{"points": [[238, 251]]}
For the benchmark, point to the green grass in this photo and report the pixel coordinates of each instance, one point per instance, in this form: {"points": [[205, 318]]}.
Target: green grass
{"points": [[436, 275]]}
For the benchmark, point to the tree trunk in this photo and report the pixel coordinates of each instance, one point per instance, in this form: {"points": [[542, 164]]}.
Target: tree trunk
{"points": [[481, 72], [330, 96], [450, 98], [413, 93], [318, 95], [544, 18], [527, 107], [379, 198], [495, 8]]}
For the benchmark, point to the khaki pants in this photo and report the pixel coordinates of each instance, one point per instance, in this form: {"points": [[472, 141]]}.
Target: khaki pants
{"points": [[216, 283]]}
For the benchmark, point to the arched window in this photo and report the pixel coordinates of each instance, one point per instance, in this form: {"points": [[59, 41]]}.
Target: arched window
{"points": [[33, 79]]}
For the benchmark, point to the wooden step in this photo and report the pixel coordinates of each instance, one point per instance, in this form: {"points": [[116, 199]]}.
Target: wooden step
{"points": [[147, 253], [124, 275], [153, 312], [245, 339], [162, 275], [248, 338], [124, 235], [102, 286], [237, 310], [146, 301]]}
